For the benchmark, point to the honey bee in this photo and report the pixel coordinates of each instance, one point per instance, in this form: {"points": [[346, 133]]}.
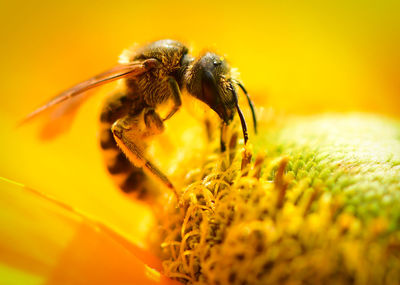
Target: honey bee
{"points": [[154, 74]]}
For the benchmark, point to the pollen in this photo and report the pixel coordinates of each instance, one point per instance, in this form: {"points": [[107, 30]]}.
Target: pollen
{"points": [[310, 201]]}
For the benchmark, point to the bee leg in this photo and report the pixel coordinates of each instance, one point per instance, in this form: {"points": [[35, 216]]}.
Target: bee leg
{"points": [[129, 137], [223, 137], [176, 97], [154, 124], [209, 129]]}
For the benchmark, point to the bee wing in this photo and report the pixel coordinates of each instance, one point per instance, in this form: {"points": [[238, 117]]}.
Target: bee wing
{"points": [[62, 116], [132, 70]]}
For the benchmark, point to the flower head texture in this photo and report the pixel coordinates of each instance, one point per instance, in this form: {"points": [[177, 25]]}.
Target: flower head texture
{"points": [[318, 204]]}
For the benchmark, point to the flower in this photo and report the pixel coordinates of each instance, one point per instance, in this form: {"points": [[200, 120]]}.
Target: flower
{"points": [[317, 204], [319, 208]]}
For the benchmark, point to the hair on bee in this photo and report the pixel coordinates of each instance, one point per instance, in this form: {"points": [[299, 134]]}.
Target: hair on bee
{"points": [[154, 74]]}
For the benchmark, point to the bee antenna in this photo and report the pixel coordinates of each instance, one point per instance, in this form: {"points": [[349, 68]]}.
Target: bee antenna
{"points": [[253, 112]]}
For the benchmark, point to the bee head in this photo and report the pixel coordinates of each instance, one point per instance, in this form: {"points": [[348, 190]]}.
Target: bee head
{"points": [[208, 79]]}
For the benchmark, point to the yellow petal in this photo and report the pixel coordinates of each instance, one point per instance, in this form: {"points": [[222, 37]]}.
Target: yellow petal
{"points": [[45, 242]]}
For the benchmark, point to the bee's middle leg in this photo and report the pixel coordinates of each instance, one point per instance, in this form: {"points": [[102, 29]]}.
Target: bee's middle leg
{"points": [[130, 138]]}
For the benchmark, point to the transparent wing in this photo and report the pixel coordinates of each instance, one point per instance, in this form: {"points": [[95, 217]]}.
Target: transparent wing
{"points": [[132, 70], [60, 117]]}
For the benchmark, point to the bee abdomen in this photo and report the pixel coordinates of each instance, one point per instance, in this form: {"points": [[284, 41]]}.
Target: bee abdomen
{"points": [[125, 175], [119, 165], [134, 181], [107, 140]]}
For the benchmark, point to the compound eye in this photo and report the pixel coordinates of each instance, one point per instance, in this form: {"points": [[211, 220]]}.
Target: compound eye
{"points": [[210, 89]]}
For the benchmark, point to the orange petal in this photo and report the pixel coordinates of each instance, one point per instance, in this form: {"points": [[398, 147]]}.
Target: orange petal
{"points": [[42, 241]]}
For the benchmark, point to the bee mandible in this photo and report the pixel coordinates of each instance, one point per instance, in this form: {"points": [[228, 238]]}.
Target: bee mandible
{"points": [[154, 74]]}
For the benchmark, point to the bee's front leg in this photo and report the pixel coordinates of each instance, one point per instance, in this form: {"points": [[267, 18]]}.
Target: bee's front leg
{"points": [[223, 136], [176, 97], [129, 136]]}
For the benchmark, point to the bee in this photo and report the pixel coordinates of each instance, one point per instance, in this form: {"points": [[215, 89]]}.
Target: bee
{"points": [[155, 73]]}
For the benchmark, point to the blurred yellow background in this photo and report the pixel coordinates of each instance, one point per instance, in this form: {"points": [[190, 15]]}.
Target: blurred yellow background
{"points": [[295, 56]]}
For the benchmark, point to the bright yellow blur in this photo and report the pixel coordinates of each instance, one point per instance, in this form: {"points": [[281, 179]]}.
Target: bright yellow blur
{"points": [[50, 243], [297, 58]]}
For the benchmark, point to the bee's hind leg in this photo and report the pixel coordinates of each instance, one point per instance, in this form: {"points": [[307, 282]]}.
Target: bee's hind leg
{"points": [[130, 136]]}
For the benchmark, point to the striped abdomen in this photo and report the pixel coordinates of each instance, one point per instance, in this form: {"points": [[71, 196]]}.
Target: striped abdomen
{"points": [[127, 177]]}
